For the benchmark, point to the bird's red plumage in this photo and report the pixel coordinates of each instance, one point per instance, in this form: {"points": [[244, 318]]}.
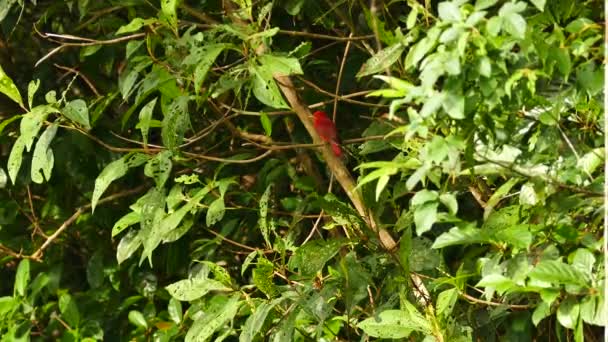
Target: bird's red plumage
{"points": [[327, 131]]}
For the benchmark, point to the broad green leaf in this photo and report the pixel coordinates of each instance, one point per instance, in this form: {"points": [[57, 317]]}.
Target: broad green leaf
{"points": [[540, 312], [125, 222], [280, 66], [453, 105], [425, 216], [424, 196], [527, 194], [494, 25], [32, 87], [43, 158], [420, 49], [498, 195], [112, 172], [557, 272], [215, 212], [69, 310], [593, 310], [501, 283], [265, 89], [382, 60], [460, 236], [411, 18], [253, 324], [483, 4], [175, 123], [22, 278], [135, 25], [583, 260], [137, 319], [263, 277], [152, 214], [568, 312], [128, 245], [204, 327], [311, 257], [590, 161], [540, 4], [32, 122], [168, 9], [395, 323], [15, 158], [446, 301], [194, 288], [78, 112], [382, 182], [159, 168], [449, 11], [204, 59], [175, 310], [7, 87], [145, 119], [449, 200]]}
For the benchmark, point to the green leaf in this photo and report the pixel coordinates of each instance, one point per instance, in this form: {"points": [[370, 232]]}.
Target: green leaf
{"points": [[159, 168], [5, 7], [216, 212], [453, 104], [125, 222], [22, 278], [43, 158], [568, 312], [312, 256], [69, 310], [3, 178], [253, 324], [449, 200], [7, 87], [540, 4], [266, 123], [591, 160], [145, 119], [135, 25], [593, 310], [557, 272], [205, 57], [32, 87], [127, 246], [425, 216], [204, 327], [77, 111], [420, 49], [395, 323], [137, 319], [280, 66], [15, 159], [168, 9], [175, 310], [501, 283], [112, 172], [194, 288], [449, 11], [540, 312], [265, 89], [483, 4], [382, 60], [446, 301], [175, 123], [263, 220], [262, 277], [485, 67], [460, 236]]}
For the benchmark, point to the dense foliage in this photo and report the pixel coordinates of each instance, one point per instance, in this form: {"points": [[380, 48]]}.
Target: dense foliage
{"points": [[161, 179]]}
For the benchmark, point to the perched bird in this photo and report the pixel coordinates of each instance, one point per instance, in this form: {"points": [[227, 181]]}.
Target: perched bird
{"points": [[327, 131]]}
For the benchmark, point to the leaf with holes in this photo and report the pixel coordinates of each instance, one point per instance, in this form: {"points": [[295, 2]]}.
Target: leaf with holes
{"points": [[382, 60], [7, 87]]}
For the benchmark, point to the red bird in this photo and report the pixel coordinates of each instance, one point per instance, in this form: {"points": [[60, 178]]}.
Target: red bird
{"points": [[327, 131]]}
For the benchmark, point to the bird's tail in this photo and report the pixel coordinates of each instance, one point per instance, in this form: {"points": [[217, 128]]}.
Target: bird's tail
{"points": [[336, 148]]}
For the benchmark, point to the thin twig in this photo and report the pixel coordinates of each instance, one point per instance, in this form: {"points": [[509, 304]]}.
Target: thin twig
{"points": [[339, 80], [78, 73], [38, 254]]}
